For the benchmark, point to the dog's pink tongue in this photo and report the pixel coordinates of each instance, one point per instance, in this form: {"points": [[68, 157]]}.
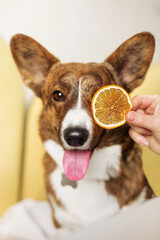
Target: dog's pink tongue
{"points": [[75, 163]]}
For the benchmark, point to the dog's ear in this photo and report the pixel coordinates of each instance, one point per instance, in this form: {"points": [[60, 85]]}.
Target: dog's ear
{"points": [[132, 59], [32, 60]]}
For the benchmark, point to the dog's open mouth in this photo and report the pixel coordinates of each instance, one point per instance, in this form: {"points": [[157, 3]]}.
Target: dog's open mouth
{"points": [[75, 163]]}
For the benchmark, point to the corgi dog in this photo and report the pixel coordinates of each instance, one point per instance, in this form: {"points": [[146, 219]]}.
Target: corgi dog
{"points": [[90, 172]]}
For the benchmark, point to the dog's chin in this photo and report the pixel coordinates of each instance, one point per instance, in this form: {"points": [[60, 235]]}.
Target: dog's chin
{"points": [[76, 162]]}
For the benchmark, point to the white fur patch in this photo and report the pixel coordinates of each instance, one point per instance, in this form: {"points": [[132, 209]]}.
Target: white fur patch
{"points": [[77, 118], [104, 163], [79, 103], [55, 151], [88, 202]]}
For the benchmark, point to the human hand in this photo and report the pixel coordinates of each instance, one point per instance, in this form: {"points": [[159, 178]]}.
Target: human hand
{"points": [[144, 120]]}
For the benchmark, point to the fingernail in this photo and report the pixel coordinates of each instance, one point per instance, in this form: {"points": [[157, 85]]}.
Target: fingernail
{"points": [[131, 116], [144, 142]]}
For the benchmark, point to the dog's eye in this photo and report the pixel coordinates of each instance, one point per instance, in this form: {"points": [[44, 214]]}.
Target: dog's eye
{"points": [[58, 96]]}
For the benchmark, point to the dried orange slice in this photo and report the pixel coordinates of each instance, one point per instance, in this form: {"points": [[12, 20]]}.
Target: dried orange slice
{"points": [[110, 105]]}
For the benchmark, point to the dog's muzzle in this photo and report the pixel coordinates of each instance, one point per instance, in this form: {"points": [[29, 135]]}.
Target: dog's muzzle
{"points": [[76, 136]]}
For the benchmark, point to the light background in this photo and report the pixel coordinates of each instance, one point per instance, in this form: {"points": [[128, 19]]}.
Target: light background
{"points": [[80, 30]]}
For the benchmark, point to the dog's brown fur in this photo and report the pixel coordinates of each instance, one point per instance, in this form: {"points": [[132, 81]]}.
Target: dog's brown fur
{"points": [[126, 67], [49, 166]]}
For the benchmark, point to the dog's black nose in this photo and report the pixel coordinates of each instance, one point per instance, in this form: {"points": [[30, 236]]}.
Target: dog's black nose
{"points": [[75, 137]]}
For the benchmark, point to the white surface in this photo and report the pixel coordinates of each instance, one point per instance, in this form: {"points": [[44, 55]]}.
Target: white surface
{"points": [[30, 220], [140, 223]]}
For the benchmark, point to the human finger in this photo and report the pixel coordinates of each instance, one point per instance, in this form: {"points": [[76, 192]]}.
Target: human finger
{"points": [[145, 101], [144, 121], [141, 111], [138, 138], [140, 130]]}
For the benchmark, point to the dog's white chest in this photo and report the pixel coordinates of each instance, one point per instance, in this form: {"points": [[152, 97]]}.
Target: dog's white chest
{"points": [[86, 203], [89, 201]]}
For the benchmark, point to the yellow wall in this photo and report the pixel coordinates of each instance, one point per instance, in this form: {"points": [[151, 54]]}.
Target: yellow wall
{"points": [[11, 128], [151, 160], [33, 180]]}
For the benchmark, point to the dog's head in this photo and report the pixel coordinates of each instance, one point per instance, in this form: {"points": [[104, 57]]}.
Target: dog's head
{"points": [[66, 90]]}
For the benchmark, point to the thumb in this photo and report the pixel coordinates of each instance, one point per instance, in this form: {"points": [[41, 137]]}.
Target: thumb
{"points": [[142, 120]]}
